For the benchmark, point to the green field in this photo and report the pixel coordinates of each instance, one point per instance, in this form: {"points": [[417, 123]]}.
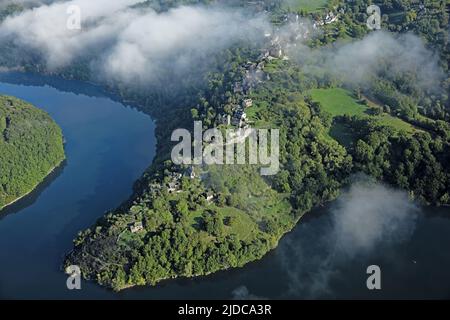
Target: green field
{"points": [[338, 101], [307, 5]]}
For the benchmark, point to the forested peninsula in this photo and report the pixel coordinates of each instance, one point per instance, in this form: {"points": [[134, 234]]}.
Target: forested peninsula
{"points": [[190, 221], [31, 147]]}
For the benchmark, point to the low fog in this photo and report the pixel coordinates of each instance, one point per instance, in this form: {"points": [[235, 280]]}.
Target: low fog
{"points": [[356, 63], [6, 3], [242, 293], [366, 217], [142, 46], [126, 44]]}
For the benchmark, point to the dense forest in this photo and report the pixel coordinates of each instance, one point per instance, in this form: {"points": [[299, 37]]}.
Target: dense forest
{"points": [[31, 145], [189, 221]]}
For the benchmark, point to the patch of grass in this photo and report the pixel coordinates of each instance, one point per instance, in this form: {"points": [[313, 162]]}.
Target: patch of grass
{"points": [[273, 66], [338, 101], [243, 226], [397, 123], [306, 5], [252, 202]]}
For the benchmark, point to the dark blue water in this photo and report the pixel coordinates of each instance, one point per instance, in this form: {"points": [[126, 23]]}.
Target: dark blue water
{"points": [[109, 145]]}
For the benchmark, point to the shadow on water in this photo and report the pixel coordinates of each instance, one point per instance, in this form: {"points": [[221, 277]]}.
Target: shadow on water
{"points": [[33, 196], [58, 83]]}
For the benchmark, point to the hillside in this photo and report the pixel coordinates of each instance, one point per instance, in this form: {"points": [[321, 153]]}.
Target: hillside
{"points": [[31, 146]]}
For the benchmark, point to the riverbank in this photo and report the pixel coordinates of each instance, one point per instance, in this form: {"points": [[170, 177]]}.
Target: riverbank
{"points": [[274, 246], [108, 148], [4, 207], [31, 147]]}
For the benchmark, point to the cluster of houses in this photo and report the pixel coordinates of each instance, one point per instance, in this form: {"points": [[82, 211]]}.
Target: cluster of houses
{"points": [[253, 75], [174, 185], [276, 48], [239, 118], [278, 43], [174, 181]]}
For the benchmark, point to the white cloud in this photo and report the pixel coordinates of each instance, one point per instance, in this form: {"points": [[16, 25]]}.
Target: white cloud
{"points": [[370, 213], [366, 217], [6, 3], [44, 29], [180, 39], [129, 44], [356, 62]]}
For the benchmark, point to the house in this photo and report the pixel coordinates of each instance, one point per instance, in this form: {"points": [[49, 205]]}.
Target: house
{"points": [[276, 51], [239, 118], [173, 186], [136, 227], [175, 176], [247, 103], [330, 18], [209, 196], [190, 172]]}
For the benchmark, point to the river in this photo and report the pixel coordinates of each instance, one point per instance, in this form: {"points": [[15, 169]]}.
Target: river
{"points": [[109, 145]]}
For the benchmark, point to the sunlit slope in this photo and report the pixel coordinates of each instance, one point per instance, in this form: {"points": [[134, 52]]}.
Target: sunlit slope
{"points": [[31, 146]]}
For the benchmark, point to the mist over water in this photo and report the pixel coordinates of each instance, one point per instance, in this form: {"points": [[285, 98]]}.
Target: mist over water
{"points": [[365, 217]]}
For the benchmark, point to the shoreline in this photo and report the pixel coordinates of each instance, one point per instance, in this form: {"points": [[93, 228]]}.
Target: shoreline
{"points": [[34, 188], [176, 277]]}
